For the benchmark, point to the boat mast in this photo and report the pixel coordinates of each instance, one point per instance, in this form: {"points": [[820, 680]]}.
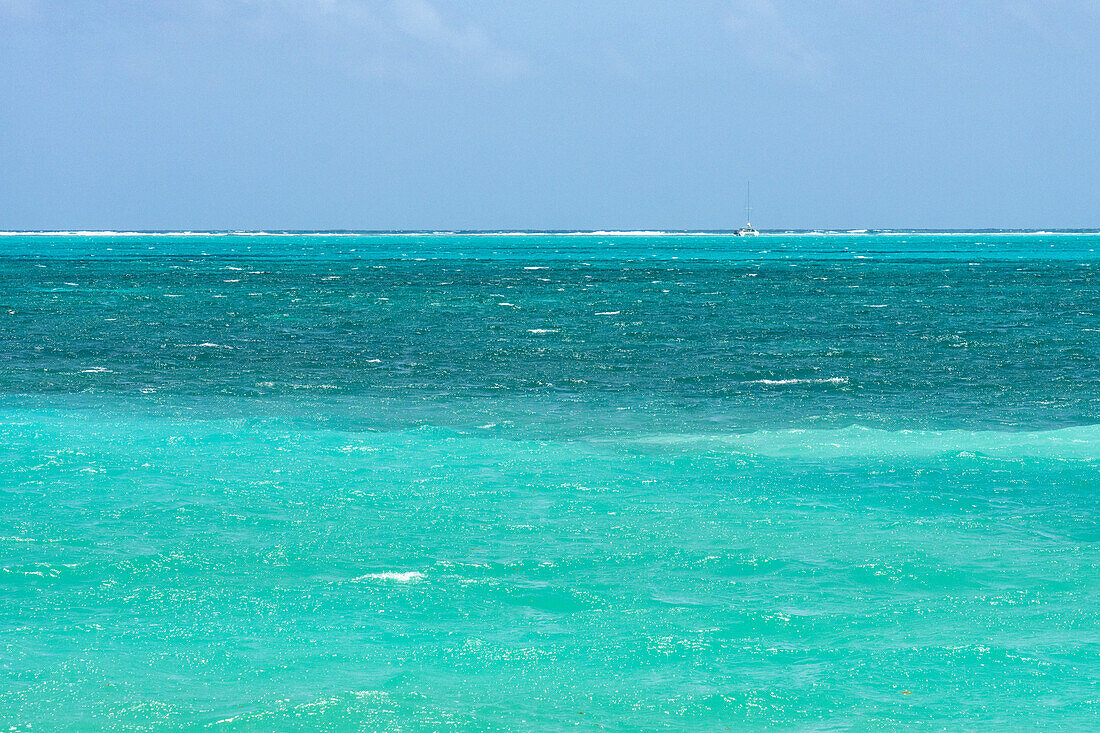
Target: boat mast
{"points": [[748, 208]]}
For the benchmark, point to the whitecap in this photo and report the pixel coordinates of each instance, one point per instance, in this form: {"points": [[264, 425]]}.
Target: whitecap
{"points": [[781, 382], [407, 577]]}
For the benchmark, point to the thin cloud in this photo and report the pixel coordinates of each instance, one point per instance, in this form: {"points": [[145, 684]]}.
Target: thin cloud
{"points": [[421, 20], [18, 8], [763, 36], [1060, 24], [417, 26]]}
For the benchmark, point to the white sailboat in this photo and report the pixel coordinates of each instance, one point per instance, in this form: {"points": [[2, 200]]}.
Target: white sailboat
{"points": [[747, 230]]}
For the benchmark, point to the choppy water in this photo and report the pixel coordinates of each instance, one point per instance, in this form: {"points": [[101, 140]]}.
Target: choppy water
{"points": [[550, 482]]}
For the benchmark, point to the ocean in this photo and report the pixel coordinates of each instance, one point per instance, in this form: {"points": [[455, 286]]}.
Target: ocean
{"points": [[808, 481]]}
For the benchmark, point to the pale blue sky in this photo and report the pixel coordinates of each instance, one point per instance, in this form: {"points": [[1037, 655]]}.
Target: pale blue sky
{"points": [[555, 114]]}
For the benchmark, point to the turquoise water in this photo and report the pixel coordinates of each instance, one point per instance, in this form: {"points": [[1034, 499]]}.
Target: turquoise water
{"points": [[550, 482]]}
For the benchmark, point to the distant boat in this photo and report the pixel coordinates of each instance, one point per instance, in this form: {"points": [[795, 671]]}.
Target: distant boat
{"points": [[747, 230]]}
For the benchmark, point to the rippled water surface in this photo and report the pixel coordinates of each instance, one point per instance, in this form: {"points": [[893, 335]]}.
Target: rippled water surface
{"points": [[548, 482]]}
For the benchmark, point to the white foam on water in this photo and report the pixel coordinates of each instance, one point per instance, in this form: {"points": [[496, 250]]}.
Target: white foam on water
{"points": [[542, 330], [629, 233], [780, 382], [608, 313], [407, 577]]}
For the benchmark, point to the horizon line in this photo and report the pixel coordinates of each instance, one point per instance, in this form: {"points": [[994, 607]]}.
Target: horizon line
{"points": [[536, 232]]}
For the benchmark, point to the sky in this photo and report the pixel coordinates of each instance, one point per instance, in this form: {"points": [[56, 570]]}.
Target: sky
{"points": [[559, 114]]}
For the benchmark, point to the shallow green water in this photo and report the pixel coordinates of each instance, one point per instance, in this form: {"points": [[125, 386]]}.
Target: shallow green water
{"points": [[296, 482]]}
